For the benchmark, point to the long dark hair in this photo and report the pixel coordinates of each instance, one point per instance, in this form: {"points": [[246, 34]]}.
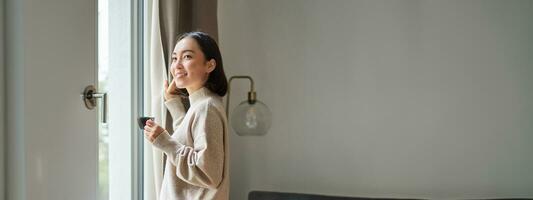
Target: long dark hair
{"points": [[216, 82]]}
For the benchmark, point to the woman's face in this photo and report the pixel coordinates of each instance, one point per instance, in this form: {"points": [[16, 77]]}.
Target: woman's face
{"points": [[189, 66]]}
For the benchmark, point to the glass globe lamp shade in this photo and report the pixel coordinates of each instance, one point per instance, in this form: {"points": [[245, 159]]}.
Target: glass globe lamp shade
{"points": [[251, 119]]}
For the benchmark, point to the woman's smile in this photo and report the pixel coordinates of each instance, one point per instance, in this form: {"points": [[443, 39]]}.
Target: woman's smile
{"points": [[180, 74]]}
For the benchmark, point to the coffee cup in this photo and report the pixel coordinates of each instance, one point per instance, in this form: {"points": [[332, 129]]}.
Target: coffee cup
{"points": [[142, 121]]}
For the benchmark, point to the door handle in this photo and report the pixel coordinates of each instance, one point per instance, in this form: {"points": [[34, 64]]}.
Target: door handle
{"points": [[89, 97]]}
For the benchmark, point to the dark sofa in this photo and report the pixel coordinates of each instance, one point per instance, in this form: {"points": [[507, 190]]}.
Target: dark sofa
{"points": [[267, 195]]}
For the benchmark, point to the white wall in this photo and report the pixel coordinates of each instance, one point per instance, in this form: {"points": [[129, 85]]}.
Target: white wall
{"points": [[376, 98], [2, 96]]}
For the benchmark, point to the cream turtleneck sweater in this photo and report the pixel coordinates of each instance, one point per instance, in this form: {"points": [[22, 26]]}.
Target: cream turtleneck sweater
{"points": [[197, 164]]}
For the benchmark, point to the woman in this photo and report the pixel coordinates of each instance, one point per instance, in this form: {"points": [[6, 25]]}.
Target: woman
{"points": [[197, 152]]}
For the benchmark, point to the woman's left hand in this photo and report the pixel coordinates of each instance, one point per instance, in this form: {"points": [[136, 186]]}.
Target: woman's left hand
{"points": [[152, 130]]}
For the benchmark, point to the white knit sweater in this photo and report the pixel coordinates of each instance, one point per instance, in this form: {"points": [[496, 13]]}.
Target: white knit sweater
{"points": [[197, 164]]}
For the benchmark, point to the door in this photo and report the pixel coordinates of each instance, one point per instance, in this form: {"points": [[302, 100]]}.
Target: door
{"points": [[57, 148], [52, 138]]}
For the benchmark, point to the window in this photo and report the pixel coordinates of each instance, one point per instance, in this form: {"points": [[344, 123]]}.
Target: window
{"points": [[119, 139]]}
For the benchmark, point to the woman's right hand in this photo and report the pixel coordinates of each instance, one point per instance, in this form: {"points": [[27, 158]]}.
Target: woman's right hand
{"points": [[171, 92], [152, 130]]}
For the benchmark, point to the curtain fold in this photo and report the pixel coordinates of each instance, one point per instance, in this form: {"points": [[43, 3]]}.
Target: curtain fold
{"points": [[157, 74], [168, 19]]}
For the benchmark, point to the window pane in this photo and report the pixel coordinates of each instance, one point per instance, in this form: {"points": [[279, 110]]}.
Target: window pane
{"points": [[114, 78]]}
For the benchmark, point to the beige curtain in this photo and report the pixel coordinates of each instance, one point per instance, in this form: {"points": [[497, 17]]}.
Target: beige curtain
{"points": [[167, 19]]}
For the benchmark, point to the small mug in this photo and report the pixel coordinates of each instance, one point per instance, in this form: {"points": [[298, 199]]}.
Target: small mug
{"points": [[142, 121]]}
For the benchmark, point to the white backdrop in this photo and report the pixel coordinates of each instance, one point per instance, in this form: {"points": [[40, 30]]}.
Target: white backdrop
{"points": [[426, 99], [2, 96]]}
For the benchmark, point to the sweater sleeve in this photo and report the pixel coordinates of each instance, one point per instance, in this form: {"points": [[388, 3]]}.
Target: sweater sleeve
{"points": [[202, 164], [177, 111]]}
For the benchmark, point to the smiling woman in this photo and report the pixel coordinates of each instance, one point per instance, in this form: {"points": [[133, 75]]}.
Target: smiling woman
{"points": [[197, 164], [196, 58], [165, 20], [189, 66]]}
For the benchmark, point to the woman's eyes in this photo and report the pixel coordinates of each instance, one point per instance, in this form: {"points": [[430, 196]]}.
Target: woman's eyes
{"points": [[187, 57]]}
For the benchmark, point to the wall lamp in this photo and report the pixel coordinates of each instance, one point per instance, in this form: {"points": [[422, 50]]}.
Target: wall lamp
{"points": [[251, 117]]}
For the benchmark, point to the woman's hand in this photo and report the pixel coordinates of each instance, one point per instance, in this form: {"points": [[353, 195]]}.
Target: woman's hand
{"points": [[152, 130], [171, 91]]}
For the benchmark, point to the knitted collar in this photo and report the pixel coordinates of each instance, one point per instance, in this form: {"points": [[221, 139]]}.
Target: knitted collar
{"points": [[199, 95]]}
